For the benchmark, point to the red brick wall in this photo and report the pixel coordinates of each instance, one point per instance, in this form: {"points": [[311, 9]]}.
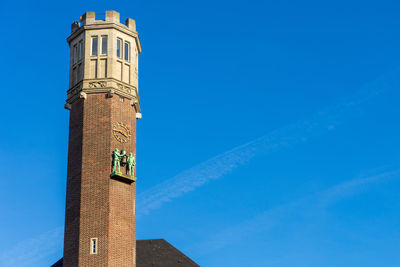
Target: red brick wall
{"points": [[104, 207], [72, 208], [122, 226]]}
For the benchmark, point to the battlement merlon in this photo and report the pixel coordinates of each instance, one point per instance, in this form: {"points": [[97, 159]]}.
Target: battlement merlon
{"points": [[112, 19]]}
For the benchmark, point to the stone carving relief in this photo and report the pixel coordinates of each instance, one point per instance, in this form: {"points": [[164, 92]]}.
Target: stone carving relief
{"points": [[124, 88], [100, 84]]}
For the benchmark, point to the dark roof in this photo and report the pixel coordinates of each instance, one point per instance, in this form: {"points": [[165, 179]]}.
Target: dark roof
{"points": [[59, 263], [156, 253], [160, 253]]}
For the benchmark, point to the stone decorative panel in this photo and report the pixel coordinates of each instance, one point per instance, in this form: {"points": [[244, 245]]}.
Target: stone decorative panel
{"points": [[124, 88], [97, 84]]}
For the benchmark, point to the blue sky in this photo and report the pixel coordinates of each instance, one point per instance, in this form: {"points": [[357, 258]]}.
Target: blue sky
{"points": [[269, 137]]}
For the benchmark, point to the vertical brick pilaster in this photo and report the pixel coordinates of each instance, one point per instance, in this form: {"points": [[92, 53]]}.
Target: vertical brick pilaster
{"points": [[122, 227], [72, 208]]}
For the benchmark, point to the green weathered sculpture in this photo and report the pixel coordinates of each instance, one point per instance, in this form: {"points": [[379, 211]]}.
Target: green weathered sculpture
{"points": [[116, 160], [123, 157], [131, 164], [127, 162]]}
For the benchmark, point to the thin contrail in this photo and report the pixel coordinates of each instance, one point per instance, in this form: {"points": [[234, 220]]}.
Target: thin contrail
{"points": [[272, 217], [214, 168], [218, 166]]}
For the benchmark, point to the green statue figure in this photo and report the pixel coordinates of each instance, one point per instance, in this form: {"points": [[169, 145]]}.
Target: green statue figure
{"points": [[116, 160], [123, 157], [131, 164]]}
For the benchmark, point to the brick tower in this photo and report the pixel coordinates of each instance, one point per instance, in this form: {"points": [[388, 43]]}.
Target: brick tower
{"points": [[100, 224]]}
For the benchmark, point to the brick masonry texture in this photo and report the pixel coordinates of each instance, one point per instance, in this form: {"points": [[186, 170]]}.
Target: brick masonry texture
{"points": [[96, 205]]}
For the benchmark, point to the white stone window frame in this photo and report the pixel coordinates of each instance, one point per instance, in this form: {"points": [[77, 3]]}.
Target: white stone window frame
{"points": [[91, 45], [75, 54], [100, 47], [129, 51], [76, 57], [80, 50], [121, 48], [94, 246]]}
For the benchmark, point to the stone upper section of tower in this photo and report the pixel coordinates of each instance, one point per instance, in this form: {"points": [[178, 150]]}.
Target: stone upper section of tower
{"points": [[104, 58]]}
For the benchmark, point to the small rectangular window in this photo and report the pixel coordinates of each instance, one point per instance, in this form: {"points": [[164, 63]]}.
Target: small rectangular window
{"points": [[127, 51], [104, 41], [93, 246], [94, 46], [119, 48], [75, 54], [80, 50]]}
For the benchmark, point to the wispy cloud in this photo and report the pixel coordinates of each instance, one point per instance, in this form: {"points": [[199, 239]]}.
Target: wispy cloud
{"points": [[220, 165], [272, 217], [30, 252]]}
